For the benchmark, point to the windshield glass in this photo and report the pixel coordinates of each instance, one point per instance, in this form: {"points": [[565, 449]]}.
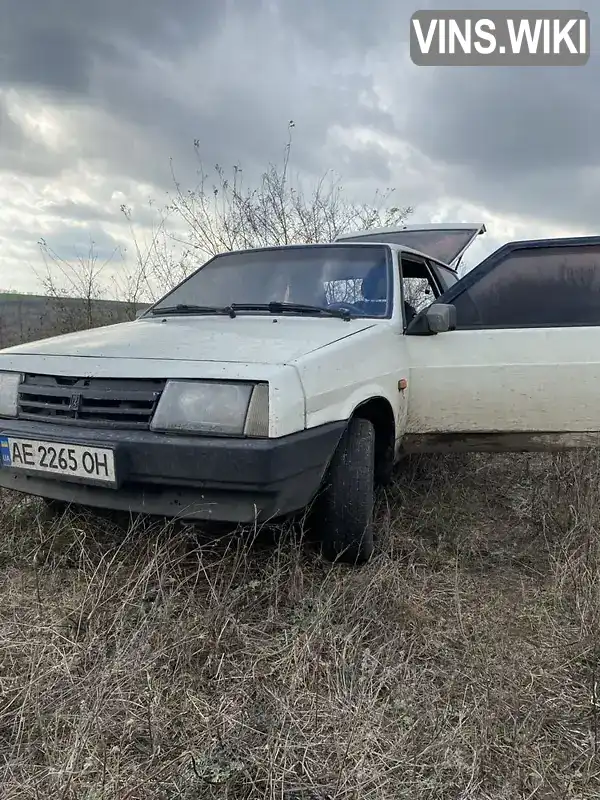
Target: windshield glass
{"points": [[352, 276]]}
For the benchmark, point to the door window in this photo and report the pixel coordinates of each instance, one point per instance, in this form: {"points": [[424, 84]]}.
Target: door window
{"points": [[418, 286], [543, 286]]}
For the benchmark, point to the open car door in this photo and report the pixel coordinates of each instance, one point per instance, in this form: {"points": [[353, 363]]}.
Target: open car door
{"points": [[444, 242], [522, 367]]}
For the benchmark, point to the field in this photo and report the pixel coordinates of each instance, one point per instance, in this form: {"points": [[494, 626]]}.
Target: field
{"points": [[25, 317], [144, 661]]}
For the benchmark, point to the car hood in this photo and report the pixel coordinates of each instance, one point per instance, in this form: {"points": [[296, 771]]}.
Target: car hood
{"points": [[245, 339]]}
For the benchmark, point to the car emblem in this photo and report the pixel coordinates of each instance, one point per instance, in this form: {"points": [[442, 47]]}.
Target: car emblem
{"points": [[75, 402]]}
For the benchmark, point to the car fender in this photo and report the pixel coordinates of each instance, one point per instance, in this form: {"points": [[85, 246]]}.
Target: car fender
{"points": [[344, 405]]}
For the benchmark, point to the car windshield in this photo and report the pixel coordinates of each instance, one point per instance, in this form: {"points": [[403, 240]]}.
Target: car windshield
{"points": [[353, 277]]}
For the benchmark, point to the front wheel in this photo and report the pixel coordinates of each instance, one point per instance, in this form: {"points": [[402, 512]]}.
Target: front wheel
{"points": [[343, 509]]}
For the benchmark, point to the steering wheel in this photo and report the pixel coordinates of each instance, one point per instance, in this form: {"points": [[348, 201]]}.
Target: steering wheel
{"points": [[346, 307]]}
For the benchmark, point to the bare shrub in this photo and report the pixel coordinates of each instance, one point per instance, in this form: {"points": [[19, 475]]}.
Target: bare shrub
{"points": [[221, 213], [88, 292]]}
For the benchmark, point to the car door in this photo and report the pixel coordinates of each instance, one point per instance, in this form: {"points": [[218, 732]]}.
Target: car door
{"points": [[445, 242], [525, 356]]}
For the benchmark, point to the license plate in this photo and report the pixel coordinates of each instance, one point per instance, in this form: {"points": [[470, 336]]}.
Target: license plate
{"points": [[65, 460]]}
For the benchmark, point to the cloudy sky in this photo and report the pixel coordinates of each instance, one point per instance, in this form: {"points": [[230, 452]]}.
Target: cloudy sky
{"points": [[98, 99]]}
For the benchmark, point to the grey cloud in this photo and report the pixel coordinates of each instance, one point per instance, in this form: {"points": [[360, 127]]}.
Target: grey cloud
{"points": [[55, 44], [499, 124], [562, 196], [51, 58], [72, 242], [370, 164], [236, 98], [255, 65], [154, 76], [520, 147], [352, 27], [519, 141], [82, 212], [19, 153]]}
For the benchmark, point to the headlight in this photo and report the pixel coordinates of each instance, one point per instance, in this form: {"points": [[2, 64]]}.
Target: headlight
{"points": [[206, 407], [9, 393]]}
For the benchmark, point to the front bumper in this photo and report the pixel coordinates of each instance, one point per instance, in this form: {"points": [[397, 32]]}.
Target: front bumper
{"points": [[189, 477]]}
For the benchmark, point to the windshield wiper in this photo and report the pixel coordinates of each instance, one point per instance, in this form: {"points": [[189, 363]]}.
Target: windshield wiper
{"points": [[279, 308], [182, 308], [272, 308]]}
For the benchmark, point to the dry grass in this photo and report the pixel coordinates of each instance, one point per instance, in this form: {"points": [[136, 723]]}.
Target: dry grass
{"points": [[461, 664]]}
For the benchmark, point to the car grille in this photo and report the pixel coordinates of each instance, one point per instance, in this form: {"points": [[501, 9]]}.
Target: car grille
{"points": [[92, 402]]}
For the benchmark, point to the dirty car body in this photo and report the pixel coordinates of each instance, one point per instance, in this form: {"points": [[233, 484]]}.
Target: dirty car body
{"points": [[280, 378]]}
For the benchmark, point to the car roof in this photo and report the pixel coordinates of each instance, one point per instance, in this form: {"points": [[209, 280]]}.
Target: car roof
{"points": [[392, 246]]}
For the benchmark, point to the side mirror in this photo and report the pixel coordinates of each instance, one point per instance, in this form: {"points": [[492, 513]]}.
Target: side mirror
{"points": [[436, 318], [441, 318]]}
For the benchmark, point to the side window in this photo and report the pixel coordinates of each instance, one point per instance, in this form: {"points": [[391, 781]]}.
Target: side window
{"points": [[446, 277], [418, 285], [535, 287]]}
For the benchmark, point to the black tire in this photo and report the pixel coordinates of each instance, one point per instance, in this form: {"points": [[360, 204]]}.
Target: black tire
{"points": [[343, 509]]}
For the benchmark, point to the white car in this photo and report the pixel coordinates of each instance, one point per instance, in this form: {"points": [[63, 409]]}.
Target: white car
{"points": [[281, 378]]}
